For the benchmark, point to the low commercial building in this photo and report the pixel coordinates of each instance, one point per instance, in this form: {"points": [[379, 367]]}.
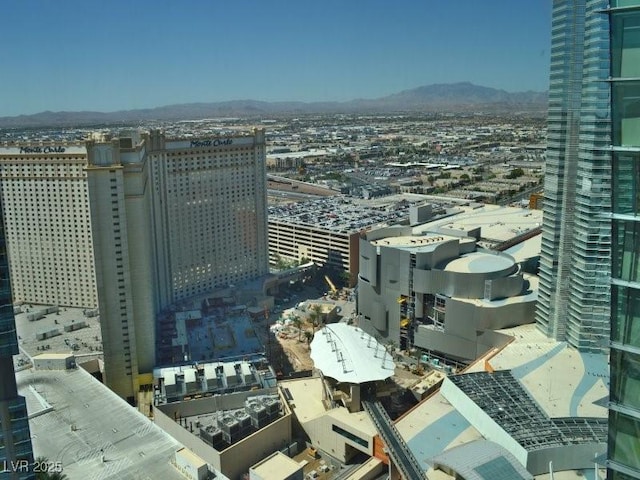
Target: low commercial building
{"points": [[331, 428], [191, 465], [329, 408], [87, 431], [532, 437], [276, 467], [535, 404], [232, 432]]}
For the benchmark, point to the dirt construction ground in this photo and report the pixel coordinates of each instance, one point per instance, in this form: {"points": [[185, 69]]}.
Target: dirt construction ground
{"points": [[297, 351]]}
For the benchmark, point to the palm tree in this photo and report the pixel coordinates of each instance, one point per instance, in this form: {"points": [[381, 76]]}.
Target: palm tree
{"points": [[317, 309], [391, 347], [313, 317], [297, 322], [309, 336], [44, 465], [345, 276], [53, 476]]}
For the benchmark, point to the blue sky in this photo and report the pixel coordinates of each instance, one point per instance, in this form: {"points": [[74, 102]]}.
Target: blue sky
{"points": [[116, 54]]}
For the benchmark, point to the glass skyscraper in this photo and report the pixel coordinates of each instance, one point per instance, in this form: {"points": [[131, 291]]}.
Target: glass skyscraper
{"points": [[624, 401], [573, 297], [16, 454]]}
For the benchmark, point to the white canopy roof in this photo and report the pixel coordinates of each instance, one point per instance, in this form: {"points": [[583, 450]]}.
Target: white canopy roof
{"points": [[348, 354]]}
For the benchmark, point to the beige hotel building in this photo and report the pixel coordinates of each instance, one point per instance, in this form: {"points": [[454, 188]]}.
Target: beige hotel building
{"points": [[132, 225]]}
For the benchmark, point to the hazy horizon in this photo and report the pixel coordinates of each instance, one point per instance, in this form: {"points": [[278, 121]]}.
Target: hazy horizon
{"points": [[86, 56]]}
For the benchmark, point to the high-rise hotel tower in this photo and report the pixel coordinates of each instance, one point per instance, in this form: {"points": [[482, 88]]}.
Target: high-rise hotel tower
{"points": [[132, 225], [624, 398], [573, 298]]}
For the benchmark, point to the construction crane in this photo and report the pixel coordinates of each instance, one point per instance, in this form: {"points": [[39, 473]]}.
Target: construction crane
{"points": [[331, 285]]}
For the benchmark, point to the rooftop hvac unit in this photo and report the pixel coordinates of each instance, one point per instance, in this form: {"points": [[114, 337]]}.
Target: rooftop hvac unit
{"points": [[230, 375], [209, 372], [256, 410], [272, 405], [261, 421], [229, 424], [247, 374], [232, 429], [211, 434], [243, 418]]}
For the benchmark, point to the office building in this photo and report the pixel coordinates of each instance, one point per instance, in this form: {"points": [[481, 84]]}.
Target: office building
{"points": [[624, 398], [132, 225], [16, 454], [573, 300]]}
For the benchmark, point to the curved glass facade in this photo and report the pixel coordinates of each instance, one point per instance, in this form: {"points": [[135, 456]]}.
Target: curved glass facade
{"points": [[624, 404], [573, 300]]}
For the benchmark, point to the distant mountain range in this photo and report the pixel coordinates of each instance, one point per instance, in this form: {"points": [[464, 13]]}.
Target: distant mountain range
{"points": [[453, 97]]}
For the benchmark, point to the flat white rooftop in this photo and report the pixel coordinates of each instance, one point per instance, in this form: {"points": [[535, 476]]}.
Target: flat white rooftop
{"points": [[498, 223], [416, 244], [480, 262], [305, 397], [525, 250], [276, 466], [563, 382], [85, 341], [81, 420]]}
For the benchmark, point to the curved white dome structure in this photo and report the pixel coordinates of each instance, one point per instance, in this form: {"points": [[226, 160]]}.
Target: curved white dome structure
{"points": [[348, 354]]}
